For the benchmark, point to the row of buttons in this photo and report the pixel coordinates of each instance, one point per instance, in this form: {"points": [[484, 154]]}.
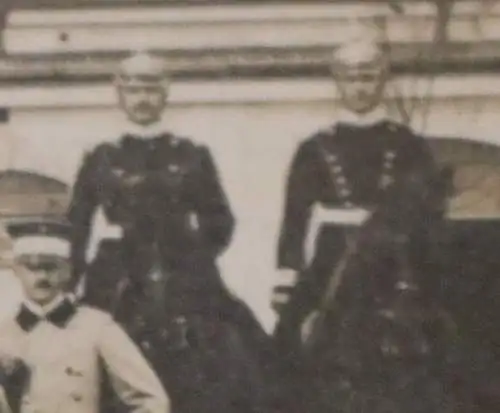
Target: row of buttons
{"points": [[340, 181]]}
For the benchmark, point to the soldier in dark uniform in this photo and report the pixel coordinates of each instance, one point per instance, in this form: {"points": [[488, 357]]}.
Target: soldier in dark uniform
{"points": [[337, 177], [162, 198], [339, 173]]}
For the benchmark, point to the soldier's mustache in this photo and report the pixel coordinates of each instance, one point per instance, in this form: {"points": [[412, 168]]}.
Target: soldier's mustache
{"points": [[142, 107], [43, 284]]}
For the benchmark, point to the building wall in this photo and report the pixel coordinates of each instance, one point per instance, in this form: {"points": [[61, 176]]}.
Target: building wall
{"points": [[253, 144], [253, 137]]}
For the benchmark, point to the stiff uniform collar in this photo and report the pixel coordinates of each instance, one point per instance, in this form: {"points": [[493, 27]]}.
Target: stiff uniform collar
{"points": [[42, 311], [145, 132], [59, 312], [372, 118]]}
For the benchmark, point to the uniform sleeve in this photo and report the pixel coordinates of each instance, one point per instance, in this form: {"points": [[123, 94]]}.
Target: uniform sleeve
{"points": [[215, 219], [4, 404], [130, 375], [300, 194], [418, 156], [82, 207], [14, 372]]}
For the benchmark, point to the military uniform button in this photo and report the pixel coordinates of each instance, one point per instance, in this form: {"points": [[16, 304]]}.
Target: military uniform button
{"points": [[174, 168], [145, 345], [331, 158], [155, 276], [337, 169], [386, 181], [344, 192], [118, 172], [390, 155]]}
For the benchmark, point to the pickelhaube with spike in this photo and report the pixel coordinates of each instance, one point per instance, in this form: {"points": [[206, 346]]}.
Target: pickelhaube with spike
{"points": [[361, 49], [142, 68]]}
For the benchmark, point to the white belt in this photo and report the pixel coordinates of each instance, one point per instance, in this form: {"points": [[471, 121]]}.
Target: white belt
{"points": [[101, 229], [341, 216]]}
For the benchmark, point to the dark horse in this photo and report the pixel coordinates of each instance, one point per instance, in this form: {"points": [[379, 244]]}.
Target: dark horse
{"points": [[204, 362], [381, 340]]}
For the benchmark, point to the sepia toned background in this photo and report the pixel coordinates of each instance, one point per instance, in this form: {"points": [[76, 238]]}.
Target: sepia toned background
{"points": [[250, 79]]}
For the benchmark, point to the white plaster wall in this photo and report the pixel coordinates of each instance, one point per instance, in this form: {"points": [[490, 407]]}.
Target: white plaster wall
{"points": [[253, 145]]}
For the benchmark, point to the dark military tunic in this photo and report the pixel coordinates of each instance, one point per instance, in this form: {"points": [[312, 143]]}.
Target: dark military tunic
{"points": [[345, 167], [166, 195], [160, 279]]}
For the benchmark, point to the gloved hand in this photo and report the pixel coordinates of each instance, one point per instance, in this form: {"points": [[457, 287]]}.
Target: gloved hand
{"points": [[10, 367], [283, 290]]}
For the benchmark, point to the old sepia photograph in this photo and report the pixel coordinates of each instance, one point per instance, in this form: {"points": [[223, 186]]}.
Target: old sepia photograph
{"points": [[249, 206]]}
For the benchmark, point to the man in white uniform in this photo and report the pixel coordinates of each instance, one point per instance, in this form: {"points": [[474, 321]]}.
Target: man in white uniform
{"points": [[54, 354]]}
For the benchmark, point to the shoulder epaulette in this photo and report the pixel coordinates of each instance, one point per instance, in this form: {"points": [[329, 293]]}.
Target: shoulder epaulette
{"points": [[329, 130], [394, 126], [104, 146], [321, 134], [98, 151], [177, 141]]}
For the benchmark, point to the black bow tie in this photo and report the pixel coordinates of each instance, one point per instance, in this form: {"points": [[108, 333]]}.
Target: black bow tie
{"points": [[59, 316]]}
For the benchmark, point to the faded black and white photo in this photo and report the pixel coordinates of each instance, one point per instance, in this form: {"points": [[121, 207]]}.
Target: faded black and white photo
{"points": [[247, 206]]}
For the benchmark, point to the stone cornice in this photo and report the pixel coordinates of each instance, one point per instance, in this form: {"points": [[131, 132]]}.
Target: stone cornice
{"points": [[240, 40], [113, 4], [285, 62]]}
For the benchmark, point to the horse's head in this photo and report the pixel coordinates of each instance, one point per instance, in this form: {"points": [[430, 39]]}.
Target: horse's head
{"points": [[406, 225], [416, 202]]}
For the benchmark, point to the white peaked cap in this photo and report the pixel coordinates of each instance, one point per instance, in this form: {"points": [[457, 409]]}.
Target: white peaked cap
{"points": [[41, 245], [362, 44], [40, 238]]}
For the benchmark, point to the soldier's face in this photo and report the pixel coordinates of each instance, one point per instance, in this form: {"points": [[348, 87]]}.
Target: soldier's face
{"points": [[43, 277], [361, 89], [143, 103]]}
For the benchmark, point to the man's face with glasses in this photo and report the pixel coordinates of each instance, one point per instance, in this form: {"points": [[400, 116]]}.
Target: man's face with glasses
{"points": [[43, 276]]}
